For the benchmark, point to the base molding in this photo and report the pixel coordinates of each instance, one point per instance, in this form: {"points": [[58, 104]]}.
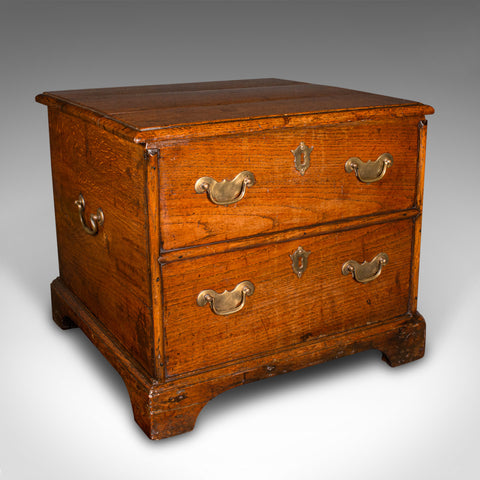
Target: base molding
{"points": [[170, 408]]}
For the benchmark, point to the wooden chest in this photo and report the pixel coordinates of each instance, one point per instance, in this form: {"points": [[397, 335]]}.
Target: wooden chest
{"points": [[213, 234]]}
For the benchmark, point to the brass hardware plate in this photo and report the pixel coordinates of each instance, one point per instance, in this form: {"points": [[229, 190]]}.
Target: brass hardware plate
{"points": [[225, 192], [96, 220], [369, 172], [367, 271], [302, 150], [300, 261], [227, 302]]}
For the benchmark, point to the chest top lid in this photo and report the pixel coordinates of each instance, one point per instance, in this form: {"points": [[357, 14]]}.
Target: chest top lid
{"points": [[150, 112]]}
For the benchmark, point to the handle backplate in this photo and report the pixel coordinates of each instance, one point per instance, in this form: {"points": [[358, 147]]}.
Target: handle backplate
{"points": [[225, 192], [369, 172], [367, 271], [227, 302]]}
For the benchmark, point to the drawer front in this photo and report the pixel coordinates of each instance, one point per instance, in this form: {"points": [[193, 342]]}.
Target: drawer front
{"points": [[267, 191], [280, 308]]}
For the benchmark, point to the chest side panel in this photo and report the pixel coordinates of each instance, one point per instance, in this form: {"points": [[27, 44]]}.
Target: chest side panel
{"points": [[108, 271], [281, 197]]}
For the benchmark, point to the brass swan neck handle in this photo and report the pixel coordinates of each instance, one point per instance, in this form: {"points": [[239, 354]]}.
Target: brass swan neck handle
{"points": [[96, 220], [369, 172], [367, 271], [225, 192], [227, 302]]}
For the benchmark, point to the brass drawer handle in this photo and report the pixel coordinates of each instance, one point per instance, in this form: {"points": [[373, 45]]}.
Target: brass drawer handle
{"points": [[225, 192], [371, 171], [367, 271], [96, 220], [227, 302]]}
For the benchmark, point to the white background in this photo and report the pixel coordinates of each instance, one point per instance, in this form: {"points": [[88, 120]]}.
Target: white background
{"points": [[64, 411]]}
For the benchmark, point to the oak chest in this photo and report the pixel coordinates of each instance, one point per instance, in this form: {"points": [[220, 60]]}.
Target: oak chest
{"points": [[213, 234]]}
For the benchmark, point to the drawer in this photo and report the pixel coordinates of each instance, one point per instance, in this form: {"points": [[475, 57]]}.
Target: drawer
{"points": [[282, 308], [282, 197]]}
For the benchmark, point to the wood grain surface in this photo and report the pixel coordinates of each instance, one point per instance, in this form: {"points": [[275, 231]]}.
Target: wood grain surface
{"points": [[282, 198], [108, 271], [166, 105], [284, 309], [171, 408], [146, 114], [136, 152], [186, 253]]}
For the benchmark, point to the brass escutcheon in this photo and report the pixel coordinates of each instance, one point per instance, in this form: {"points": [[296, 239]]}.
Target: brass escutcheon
{"points": [[300, 165], [225, 192], [299, 261], [369, 172], [227, 302], [367, 271], [96, 220]]}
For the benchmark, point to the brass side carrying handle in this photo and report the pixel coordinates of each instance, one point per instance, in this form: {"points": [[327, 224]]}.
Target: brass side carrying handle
{"points": [[225, 192], [369, 172], [96, 220], [227, 302], [367, 271]]}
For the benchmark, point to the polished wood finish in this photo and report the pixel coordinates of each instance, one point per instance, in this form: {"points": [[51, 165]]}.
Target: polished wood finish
{"points": [[210, 111], [136, 153], [282, 198], [284, 310], [171, 408], [165, 105], [109, 173]]}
